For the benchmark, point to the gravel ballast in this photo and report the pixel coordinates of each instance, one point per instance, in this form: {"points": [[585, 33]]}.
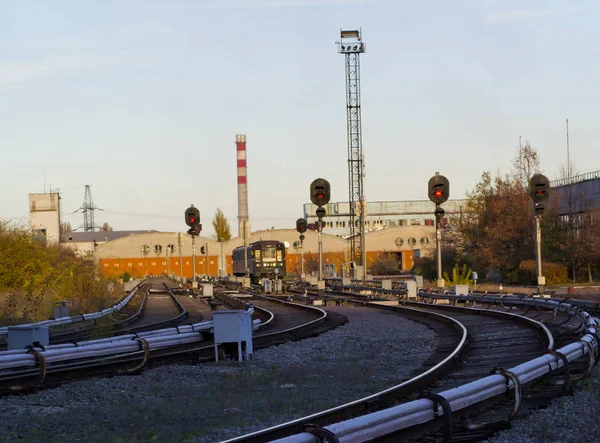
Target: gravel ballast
{"points": [[570, 419], [215, 401]]}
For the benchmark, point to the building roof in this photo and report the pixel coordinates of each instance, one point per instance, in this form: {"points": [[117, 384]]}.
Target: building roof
{"points": [[97, 236]]}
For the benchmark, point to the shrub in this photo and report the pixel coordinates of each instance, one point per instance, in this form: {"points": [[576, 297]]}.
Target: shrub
{"points": [[460, 276], [555, 273]]}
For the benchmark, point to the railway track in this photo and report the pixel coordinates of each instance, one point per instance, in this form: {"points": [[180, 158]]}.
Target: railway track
{"points": [[186, 345], [497, 339]]}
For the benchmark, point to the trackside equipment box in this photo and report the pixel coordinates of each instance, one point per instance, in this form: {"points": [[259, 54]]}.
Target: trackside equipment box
{"points": [[19, 337], [233, 333]]}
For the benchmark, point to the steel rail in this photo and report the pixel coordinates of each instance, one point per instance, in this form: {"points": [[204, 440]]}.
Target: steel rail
{"points": [[420, 412], [70, 336], [363, 403]]}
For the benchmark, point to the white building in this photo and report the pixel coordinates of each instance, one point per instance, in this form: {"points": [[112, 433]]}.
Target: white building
{"points": [[44, 216], [383, 214]]}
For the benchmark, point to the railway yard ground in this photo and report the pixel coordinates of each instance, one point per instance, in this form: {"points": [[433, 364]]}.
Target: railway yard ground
{"points": [[213, 401]]}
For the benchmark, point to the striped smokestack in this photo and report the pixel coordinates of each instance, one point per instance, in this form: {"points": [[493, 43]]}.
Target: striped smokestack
{"points": [[240, 142]]}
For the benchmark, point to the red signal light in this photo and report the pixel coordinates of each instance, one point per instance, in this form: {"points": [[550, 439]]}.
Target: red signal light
{"points": [[192, 219], [320, 195], [438, 193], [539, 192]]}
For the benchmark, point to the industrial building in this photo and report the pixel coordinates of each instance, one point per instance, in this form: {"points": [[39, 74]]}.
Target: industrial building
{"points": [[158, 253]]}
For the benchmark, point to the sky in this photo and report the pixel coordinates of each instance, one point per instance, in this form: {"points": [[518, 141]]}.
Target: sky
{"points": [[142, 100]]}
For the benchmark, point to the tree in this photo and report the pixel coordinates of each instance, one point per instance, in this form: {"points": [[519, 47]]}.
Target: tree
{"points": [[221, 226], [106, 227], [496, 233], [385, 263], [65, 227]]}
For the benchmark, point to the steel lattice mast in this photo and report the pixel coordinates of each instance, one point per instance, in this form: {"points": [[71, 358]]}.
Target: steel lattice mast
{"points": [[88, 208], [352, 46]]}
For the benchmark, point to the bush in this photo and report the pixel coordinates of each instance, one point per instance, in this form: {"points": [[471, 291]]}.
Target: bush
{"points": [[555, 273], [386, 263], [35, 275], [460, 276], [425, 266]]}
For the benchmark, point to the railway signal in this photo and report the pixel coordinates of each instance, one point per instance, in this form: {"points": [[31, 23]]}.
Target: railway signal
{"points": [[301, 225], [320, 192], [192, 219], [539, 191], [439, 189], [202, 250]]}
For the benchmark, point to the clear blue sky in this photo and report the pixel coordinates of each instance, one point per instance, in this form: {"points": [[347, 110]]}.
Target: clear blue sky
{"points": [[142, 100]]}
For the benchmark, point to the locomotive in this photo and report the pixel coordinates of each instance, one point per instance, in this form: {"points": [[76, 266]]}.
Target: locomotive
{"points": [[266, 259]]}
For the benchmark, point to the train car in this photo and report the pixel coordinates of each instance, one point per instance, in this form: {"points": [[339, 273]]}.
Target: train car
{"points": [[266, 259]]}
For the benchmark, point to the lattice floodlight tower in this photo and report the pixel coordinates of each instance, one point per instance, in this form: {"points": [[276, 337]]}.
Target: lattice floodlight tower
{"points": [[351, 45]]}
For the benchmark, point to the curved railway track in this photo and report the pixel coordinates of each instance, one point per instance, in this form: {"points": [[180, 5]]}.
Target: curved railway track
{"points": [[283, 327], [495, 342], [479, 341]]}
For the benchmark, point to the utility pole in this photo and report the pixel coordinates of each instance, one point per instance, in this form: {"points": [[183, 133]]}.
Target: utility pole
{"points": [[206, 265], [180, 256], [320, 214], [568, 156]]}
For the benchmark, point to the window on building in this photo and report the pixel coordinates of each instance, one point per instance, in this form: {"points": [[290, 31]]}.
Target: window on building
{"points": [[412, 241], [415, 222], [367, 223], [171, 248], [343, 224], [424, 241], [140, 264], [399, 241], [130, 264], [158, 249], [402, 222]]}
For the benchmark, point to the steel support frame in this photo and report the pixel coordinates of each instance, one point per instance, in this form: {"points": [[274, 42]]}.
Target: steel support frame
{"points": [[355, 160]]}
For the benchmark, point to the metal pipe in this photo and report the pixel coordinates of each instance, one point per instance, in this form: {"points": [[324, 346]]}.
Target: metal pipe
{"points": [[193, 258], [538, 254], [438, 246], [301, 258], [180, 256], [320, 238]]}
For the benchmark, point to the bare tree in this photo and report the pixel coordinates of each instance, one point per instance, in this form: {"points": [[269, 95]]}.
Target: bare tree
{"points": [[65, 227], [106, 227]]}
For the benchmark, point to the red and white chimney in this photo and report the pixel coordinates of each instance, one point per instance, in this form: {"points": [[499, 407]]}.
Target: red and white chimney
{"points": [[242, 176]]}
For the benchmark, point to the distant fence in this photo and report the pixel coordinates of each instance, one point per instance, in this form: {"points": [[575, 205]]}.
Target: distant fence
{"points": [[575, 179]]}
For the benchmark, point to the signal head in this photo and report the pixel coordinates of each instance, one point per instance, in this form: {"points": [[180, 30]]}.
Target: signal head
{"points": [[539, 188], [192, 219], [438, 189], [320, 192], [301, 225]]}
